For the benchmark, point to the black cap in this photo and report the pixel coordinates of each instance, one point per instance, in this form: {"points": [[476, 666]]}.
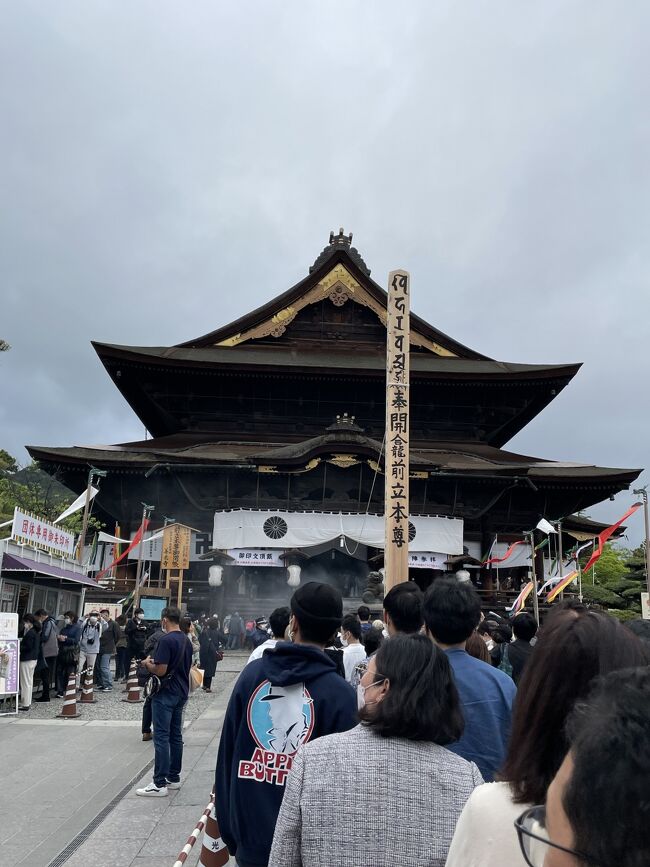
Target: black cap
{"points": [[318, 606]]}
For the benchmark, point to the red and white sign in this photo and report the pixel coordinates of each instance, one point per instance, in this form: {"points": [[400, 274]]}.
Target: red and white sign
{"points": [[34, 531]]}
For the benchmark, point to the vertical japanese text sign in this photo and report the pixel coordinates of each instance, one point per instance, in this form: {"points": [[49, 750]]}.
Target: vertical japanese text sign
{"points": [[396, 496]]}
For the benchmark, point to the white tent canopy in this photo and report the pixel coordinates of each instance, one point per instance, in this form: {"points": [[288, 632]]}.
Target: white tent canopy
{"points": [[243, 528]]}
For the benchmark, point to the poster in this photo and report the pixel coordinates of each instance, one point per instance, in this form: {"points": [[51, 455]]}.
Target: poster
{"points": [[114, 610], [8, 625], [9, 650], [176, 547]]}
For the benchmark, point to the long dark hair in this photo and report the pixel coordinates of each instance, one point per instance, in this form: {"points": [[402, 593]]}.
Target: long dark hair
{"points": [[574, 647], [422, 702]]}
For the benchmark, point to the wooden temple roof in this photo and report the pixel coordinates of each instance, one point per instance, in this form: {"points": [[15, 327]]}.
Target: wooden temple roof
{"points": [[470, 459]]}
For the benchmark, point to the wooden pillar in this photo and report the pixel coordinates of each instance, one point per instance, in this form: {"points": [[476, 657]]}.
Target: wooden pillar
{"points": [[396, 448]]}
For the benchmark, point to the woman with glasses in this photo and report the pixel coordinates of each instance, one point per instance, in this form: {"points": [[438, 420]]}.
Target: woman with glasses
{"points": [[332, 814], [574, 647]]}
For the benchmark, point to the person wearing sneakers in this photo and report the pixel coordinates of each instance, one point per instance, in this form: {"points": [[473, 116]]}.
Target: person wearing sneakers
{"points": [[290, 696], [171, 663]]}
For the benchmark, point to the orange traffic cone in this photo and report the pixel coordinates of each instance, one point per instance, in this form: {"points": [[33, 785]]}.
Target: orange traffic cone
{"points": [[69, 709], [133, 696], [87, 696], [214, 852]]}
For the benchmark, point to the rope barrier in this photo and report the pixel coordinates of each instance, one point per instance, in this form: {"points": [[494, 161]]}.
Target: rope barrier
{"points": [[191, 840]]}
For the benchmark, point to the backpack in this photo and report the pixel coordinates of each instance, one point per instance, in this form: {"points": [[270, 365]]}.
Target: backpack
{"points": [[504, 665]]}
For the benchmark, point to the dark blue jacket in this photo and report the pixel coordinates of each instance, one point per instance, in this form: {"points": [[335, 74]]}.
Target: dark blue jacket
{"points": [[291, 695], [72, 634]]}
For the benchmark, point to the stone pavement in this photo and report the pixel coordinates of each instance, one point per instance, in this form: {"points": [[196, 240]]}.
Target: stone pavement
{"points": [[59, 776]]}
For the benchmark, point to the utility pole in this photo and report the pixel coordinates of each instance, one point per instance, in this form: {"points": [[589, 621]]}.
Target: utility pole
{"points": [[92, 472], [146, 511], [643, 493], [534, 577], [396, 449]]}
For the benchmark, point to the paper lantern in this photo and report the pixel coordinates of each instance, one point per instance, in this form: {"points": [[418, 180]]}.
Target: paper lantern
{"points": [[294, 576], [215, 576]]}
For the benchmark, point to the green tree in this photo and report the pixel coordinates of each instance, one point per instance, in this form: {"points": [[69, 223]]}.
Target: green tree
{"points": [[619, 579]]}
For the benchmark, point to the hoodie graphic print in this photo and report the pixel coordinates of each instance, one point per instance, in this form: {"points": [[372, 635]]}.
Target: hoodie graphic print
{"points": [[290, 696]]}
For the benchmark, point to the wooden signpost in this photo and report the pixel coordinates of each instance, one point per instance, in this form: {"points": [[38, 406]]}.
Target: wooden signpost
{"points": [[396, 461], [175, 558]]}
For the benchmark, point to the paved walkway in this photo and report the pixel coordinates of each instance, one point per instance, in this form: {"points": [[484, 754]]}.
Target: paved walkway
{"points": [[57, 780]]}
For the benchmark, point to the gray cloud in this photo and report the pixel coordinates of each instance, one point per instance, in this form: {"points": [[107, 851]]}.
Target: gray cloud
{"points": [[165, 168]]}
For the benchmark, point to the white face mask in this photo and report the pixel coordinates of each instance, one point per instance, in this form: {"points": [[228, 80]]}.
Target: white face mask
{"points": [[344, 641], [139, 618], [93, 620], [67, 621], [27, 627], [361, 693]]}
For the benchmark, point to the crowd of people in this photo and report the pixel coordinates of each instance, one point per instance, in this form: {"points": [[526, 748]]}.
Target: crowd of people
{"points": [[533, 750], [428, 737]]}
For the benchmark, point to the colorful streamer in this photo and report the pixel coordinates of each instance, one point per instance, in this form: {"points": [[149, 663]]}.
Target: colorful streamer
{"points": [[506, 555], [142, 529], [561, 585], [520, 601], [604, 536]]}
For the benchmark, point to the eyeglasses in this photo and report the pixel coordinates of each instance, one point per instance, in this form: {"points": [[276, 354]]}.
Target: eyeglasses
{"points": [[534, 842]]}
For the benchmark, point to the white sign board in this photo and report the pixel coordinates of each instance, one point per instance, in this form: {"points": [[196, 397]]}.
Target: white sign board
{"points": [[255, 557], [427, 560], [114, 610], [8, 626], [645, 606], [34, 531]]}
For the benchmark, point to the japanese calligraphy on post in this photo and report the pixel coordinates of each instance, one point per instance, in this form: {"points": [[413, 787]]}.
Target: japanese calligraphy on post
{"points": [[176, 547], [34, 531], [396, 493]]}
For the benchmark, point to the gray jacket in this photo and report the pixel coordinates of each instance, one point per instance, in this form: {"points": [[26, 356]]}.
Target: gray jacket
{"points": [[359, 800], [90, 636]]}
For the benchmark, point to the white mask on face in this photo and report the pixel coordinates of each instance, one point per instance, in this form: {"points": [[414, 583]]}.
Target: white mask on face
{"points": [[361, 693], [93, 620], [27, 627], [139, 618], [344, 641], [67, 621]]}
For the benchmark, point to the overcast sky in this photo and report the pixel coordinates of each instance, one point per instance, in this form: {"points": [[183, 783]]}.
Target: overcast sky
{"points": [[166, 167]]}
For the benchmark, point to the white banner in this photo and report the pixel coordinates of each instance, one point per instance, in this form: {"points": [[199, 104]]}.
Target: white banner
{"points": [[427, 560], [38, 533], [255, 557], [242, 528], [79, 503]]}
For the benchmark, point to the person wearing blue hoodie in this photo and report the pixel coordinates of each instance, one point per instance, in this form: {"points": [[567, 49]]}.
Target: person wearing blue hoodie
{"points": [[290, 696]]}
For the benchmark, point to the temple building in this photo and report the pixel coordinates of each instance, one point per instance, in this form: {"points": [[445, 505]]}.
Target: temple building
{"points": [[267, 436]]}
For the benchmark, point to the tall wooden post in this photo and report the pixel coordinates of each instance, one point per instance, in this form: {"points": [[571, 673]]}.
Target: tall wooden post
{"points": [[396, 448]]}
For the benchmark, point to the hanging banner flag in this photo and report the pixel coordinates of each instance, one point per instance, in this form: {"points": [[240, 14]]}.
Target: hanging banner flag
{"points": [[506, 555], [545, 527], [136, 541], [604, 536], [118, 540], [520, 601], [561, 585], [79, 503]]}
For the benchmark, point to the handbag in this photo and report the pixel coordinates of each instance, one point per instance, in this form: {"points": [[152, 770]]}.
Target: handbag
{"points": [[154, 684], [196, 677], [69, 656]]}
